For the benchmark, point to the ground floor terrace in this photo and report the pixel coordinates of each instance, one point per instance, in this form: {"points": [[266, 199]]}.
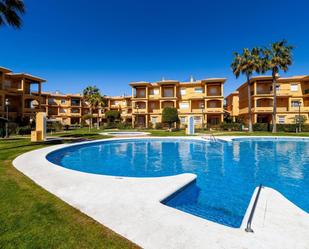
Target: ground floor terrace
{"points": [[282, 117]]}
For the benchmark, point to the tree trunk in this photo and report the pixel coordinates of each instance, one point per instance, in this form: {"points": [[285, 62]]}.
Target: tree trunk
{"points": [[249, 105], [274, 115]]}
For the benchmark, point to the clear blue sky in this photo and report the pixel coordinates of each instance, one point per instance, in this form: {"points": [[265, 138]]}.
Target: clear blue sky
{"points": [[75, 43]]}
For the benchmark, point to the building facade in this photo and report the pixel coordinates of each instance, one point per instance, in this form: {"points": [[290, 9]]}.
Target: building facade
{"points": [[202, 99], [17, 98], [292, 99], [69, 109], [232, 105]]}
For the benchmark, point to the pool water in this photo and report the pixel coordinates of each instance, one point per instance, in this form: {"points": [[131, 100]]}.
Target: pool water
{"points": [[227, 172]]}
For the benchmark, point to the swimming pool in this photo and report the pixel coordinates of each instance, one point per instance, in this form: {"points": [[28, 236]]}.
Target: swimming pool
{"points": [[227, 172]]}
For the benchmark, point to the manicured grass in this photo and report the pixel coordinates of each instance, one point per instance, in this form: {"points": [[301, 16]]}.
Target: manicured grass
{"points": [[94, 133], [31, 217]]}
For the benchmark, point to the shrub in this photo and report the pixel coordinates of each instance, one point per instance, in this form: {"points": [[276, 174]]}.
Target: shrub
{"points": [[112, 115], [261, 127], [123, 126], [23, 130], [231, 126], [170, 116], [53, 126], [158, 126]]}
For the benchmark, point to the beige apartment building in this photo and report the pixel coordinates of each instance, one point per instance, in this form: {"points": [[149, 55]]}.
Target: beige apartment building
{"points": [[16, 95], [292, 99], [69, 109], [232, 105], [202, 99]]}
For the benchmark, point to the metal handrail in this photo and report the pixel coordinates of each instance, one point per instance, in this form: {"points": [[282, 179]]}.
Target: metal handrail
{"points": [[213, 137], [248, 228]]}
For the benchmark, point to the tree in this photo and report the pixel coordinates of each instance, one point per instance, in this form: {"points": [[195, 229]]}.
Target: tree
{"points": [[112, 115], [247, 63], [93, 98], [170, 116], [10, 12], [86, 117], [277, 57]]}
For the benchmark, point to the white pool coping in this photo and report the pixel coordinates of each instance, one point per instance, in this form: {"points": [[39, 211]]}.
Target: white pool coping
{"points": [[132, 208]]}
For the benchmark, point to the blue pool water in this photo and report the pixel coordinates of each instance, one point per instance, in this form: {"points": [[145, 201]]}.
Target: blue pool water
{"points": [[227, 172]]}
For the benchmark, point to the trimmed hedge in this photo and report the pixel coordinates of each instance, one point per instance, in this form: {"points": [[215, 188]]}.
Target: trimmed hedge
{"points": [[280, 127], [231, 126]]}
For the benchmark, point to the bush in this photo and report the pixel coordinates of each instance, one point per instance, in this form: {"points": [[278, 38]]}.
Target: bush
{"points": [[158, 126], [53, 126], [123, 126], [112, 115], [231, 126], [261, 127], [110, 125], [24, 130]]}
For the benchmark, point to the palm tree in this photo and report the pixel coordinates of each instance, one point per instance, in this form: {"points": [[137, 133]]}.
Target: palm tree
{"points": [[93, 98], [10, 11], [247, 63], [277, 57]]}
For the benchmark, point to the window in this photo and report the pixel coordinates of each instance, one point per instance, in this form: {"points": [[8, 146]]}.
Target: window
{"points": [[295, 103], [154, 120], [184, 105], [213, 91], [156, 91], [168, 92], [281, 119], [63, 110], [62, 101], [197, 119], [294, 87], [277, 88], [201, 105], [183, 91], [183, 120], [198, 90]]}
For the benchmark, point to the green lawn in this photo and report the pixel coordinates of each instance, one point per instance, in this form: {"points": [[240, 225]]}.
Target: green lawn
{"points": [[94, 133], [31, 217]]}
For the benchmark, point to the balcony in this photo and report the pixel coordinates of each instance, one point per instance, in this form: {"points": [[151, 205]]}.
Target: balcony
{"points": [[214, 109], [155, 111], [140, 111], [263, 109]]}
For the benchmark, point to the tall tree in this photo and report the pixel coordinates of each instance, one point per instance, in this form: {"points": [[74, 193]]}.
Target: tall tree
{"points": [[277, 57], [170, 116], [93, 98], [247, 63], [10, 12]]}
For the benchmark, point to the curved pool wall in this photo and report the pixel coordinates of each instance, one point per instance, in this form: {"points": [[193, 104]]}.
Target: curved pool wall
{"points": [[227, 172]]}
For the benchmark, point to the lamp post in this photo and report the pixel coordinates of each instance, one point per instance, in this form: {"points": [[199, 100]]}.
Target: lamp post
{"points": [[202, 106], [7, 118], [299, 122]]}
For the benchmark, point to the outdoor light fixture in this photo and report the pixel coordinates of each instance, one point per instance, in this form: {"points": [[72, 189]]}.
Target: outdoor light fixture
{"points": [[7, 103]]}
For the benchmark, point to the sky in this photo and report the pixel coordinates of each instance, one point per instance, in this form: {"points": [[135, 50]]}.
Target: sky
{"points": [[76, 43]]}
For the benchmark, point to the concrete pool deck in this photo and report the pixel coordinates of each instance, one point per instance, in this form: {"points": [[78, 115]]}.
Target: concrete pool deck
{"points": [[132, 208]]}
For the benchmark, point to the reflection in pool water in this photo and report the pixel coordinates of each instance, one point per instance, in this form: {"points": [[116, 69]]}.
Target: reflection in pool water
{"points": [[227, 173]]}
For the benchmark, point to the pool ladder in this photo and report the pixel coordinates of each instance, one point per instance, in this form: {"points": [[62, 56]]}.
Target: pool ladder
{"points": [[248, 228]]}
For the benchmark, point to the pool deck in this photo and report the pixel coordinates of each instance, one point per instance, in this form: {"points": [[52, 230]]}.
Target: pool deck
{"points": [[132, 208]]}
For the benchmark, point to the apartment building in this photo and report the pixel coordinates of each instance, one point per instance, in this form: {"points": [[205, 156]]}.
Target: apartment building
{"points": [[292, 99], [202, 99], [16, 89], [69, 109], [232, 105], [123, 104]]}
